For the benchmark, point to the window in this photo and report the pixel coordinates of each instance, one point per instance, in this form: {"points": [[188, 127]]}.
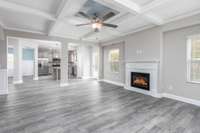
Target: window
{"points": [[28, 54], [114, 60], [193, 59]]}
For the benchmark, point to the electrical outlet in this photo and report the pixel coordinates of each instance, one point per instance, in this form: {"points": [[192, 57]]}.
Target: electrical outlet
{"points": [[139, 52]]}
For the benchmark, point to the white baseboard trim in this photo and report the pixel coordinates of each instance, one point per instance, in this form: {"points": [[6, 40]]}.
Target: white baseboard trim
{"points": [[44, 77], [18, 82], [3, 92], [64, 84], [86, 77], [35, 78], [112, 82], [182, 99]]}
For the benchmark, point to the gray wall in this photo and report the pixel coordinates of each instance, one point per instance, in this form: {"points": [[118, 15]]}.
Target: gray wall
{"points": [[3, 50], [3, 64], [1, 33], [166, 44], [175, 66], [141, 46]]}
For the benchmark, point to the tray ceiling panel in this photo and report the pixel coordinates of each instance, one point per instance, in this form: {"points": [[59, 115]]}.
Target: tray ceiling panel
{"points": [[176, 8], [131, 23], [92, 7], [23, 21], [103, 35], [50, 6], [65, 29]]}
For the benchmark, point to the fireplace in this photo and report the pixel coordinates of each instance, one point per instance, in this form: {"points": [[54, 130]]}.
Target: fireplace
{"points": [[140, 80], [147, 73]]}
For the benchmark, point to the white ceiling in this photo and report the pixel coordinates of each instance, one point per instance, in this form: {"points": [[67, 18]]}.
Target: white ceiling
{"points": [[57, 17]]}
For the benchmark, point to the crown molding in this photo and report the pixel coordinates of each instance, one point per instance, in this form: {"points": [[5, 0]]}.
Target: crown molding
{"points": [[185, 15], [23, 30]]}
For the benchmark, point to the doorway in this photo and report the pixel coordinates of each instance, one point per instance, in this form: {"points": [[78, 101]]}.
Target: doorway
{"points": [[30, 59]]}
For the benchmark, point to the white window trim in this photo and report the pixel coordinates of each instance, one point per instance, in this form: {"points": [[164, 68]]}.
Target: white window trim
{"points": [[189, 60], [114, 61]]}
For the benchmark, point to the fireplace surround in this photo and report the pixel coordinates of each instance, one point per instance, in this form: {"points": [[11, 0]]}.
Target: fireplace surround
{"points": [[145, 75]]}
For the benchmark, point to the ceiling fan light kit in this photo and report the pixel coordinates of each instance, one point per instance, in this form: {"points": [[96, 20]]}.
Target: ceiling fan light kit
{"points": [[97, 26], [97, 22]]}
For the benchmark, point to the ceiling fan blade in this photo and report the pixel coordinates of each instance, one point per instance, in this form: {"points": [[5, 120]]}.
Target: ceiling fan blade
{"points": [[110, 25], [83, 24], [107, 16], [84, 15]]}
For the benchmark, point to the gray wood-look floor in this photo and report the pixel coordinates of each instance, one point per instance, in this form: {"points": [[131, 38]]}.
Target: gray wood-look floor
{"points": [[91, 107]]}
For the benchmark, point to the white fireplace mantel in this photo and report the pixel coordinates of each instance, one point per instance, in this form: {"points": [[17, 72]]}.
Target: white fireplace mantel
{"points": [[146, 67]]}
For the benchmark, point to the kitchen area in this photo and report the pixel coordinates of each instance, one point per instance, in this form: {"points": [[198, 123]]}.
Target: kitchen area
{"points": [[49, 60], [30, 59]]}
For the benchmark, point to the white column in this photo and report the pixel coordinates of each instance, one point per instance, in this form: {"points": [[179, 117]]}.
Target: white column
{"points": [[35, 75], [18, 79], [64, 64], [100, 53], [80, 62], [3, 64], [91, 61]]}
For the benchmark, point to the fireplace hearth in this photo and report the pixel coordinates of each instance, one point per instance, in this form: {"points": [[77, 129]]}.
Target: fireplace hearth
{"points": [[140, 80]]}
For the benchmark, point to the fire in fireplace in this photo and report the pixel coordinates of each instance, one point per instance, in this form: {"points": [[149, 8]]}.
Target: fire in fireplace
{"points": [[140, 80]]}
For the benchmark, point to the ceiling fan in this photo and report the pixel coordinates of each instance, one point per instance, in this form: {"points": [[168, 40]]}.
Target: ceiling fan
{"points": [[96, 22]]}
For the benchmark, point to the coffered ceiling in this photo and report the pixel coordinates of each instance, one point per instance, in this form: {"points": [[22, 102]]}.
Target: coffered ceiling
{"points": [[59, 17]]}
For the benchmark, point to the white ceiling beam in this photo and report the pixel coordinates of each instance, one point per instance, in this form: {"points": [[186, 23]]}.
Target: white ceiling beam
{"points": [[25, 9], [63, 6], [66, 9], [153, 4], [136, 9], [130, 5]]}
